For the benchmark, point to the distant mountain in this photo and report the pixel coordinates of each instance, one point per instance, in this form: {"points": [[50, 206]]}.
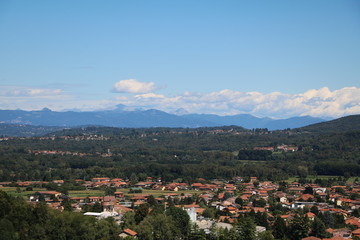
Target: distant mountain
{"points": [[113, 118], [121, 117], [344, 124]]}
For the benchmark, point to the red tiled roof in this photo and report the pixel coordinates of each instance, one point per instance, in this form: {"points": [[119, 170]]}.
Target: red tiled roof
{"points": [[130, 232]]}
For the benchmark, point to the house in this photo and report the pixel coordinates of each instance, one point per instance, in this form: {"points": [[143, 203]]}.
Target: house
{"points": [[341, 232], [356, 232], [103, 179], [119, 195], [253, 179], [297, 205], [128, 233], [58, 182], [353, 221], [311, 238], [46, 195], [144, 184], [197, 186], [311, 216], [306, 197]]}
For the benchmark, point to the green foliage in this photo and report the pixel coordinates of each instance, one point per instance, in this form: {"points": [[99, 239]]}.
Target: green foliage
{"points": [[21, 220], [157, 227], [318, 228], [246, 228], [267, 235], [110, 191], [128, 220], [259, 202], [209, 213], [141, 212], [299, 227], [181, 219], [255, 155], [279, 228], [136, 155]]}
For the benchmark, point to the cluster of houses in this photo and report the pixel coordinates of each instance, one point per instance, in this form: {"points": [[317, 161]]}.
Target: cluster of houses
{"points": [[281, 148], [232, 198], [62, 153]]}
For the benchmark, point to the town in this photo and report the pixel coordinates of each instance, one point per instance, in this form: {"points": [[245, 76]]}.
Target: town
{"points": [[215, 203]]}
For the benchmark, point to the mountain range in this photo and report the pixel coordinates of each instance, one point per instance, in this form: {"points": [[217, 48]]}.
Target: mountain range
{"points": [[147, 118]]}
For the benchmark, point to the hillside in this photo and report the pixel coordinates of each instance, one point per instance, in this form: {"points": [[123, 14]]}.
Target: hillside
{"points": [[344, 124], [20, 130]]}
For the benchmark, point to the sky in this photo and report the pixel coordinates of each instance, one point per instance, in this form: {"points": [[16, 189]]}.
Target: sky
{"points": [[266, 58]]}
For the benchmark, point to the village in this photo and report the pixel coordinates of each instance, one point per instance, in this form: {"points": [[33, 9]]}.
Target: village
{"points": [[212, 203]]}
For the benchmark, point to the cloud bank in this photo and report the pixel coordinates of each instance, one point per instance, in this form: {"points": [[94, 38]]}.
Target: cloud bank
{"points": [[315, 102]]}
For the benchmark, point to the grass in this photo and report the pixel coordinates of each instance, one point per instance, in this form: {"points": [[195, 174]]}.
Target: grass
{"points": [[294, 179], [155, 193], [85, 193], [12, 191], [94, 193]]}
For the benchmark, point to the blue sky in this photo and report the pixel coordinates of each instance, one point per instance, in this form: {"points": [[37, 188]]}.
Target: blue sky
{"points": [[266, 58]]}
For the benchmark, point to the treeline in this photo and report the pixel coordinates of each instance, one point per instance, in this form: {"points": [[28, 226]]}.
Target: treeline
{"points": [[181, 153]]}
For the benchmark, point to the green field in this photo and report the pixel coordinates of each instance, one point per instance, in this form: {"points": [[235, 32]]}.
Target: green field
{"points": [[294, 179], [94, 193], [85, 193], [13, 191], [156, 193]]}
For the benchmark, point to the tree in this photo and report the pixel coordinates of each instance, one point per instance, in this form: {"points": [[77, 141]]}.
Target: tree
{"points": [[157, 227], [67, 205], [7, 230], [259, 203], [261, 219], [246, 228], [314, 210], [110, 191], [181, 219], [133, 179], [152, 201], [318, 228], [5, 204], [265, 236], [299, 227], [141, 212], [227, 195], [328, 219], [128, 220], [308, 190], [97, 207], [279, 228], [209, 213], [239, 201]]}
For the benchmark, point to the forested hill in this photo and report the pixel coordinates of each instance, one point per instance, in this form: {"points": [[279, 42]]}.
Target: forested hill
{"points": [[22, 130], [113, 131], [344, 124]]}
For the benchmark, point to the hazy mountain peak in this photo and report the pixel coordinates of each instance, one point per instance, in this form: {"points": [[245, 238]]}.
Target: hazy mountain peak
{"points": [[180, 112]]}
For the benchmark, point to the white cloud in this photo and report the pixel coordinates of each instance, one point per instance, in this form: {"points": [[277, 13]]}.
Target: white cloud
{"points": [[29, 98], [20, 91], [134, 86], [315, 102], [149, 95]]}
